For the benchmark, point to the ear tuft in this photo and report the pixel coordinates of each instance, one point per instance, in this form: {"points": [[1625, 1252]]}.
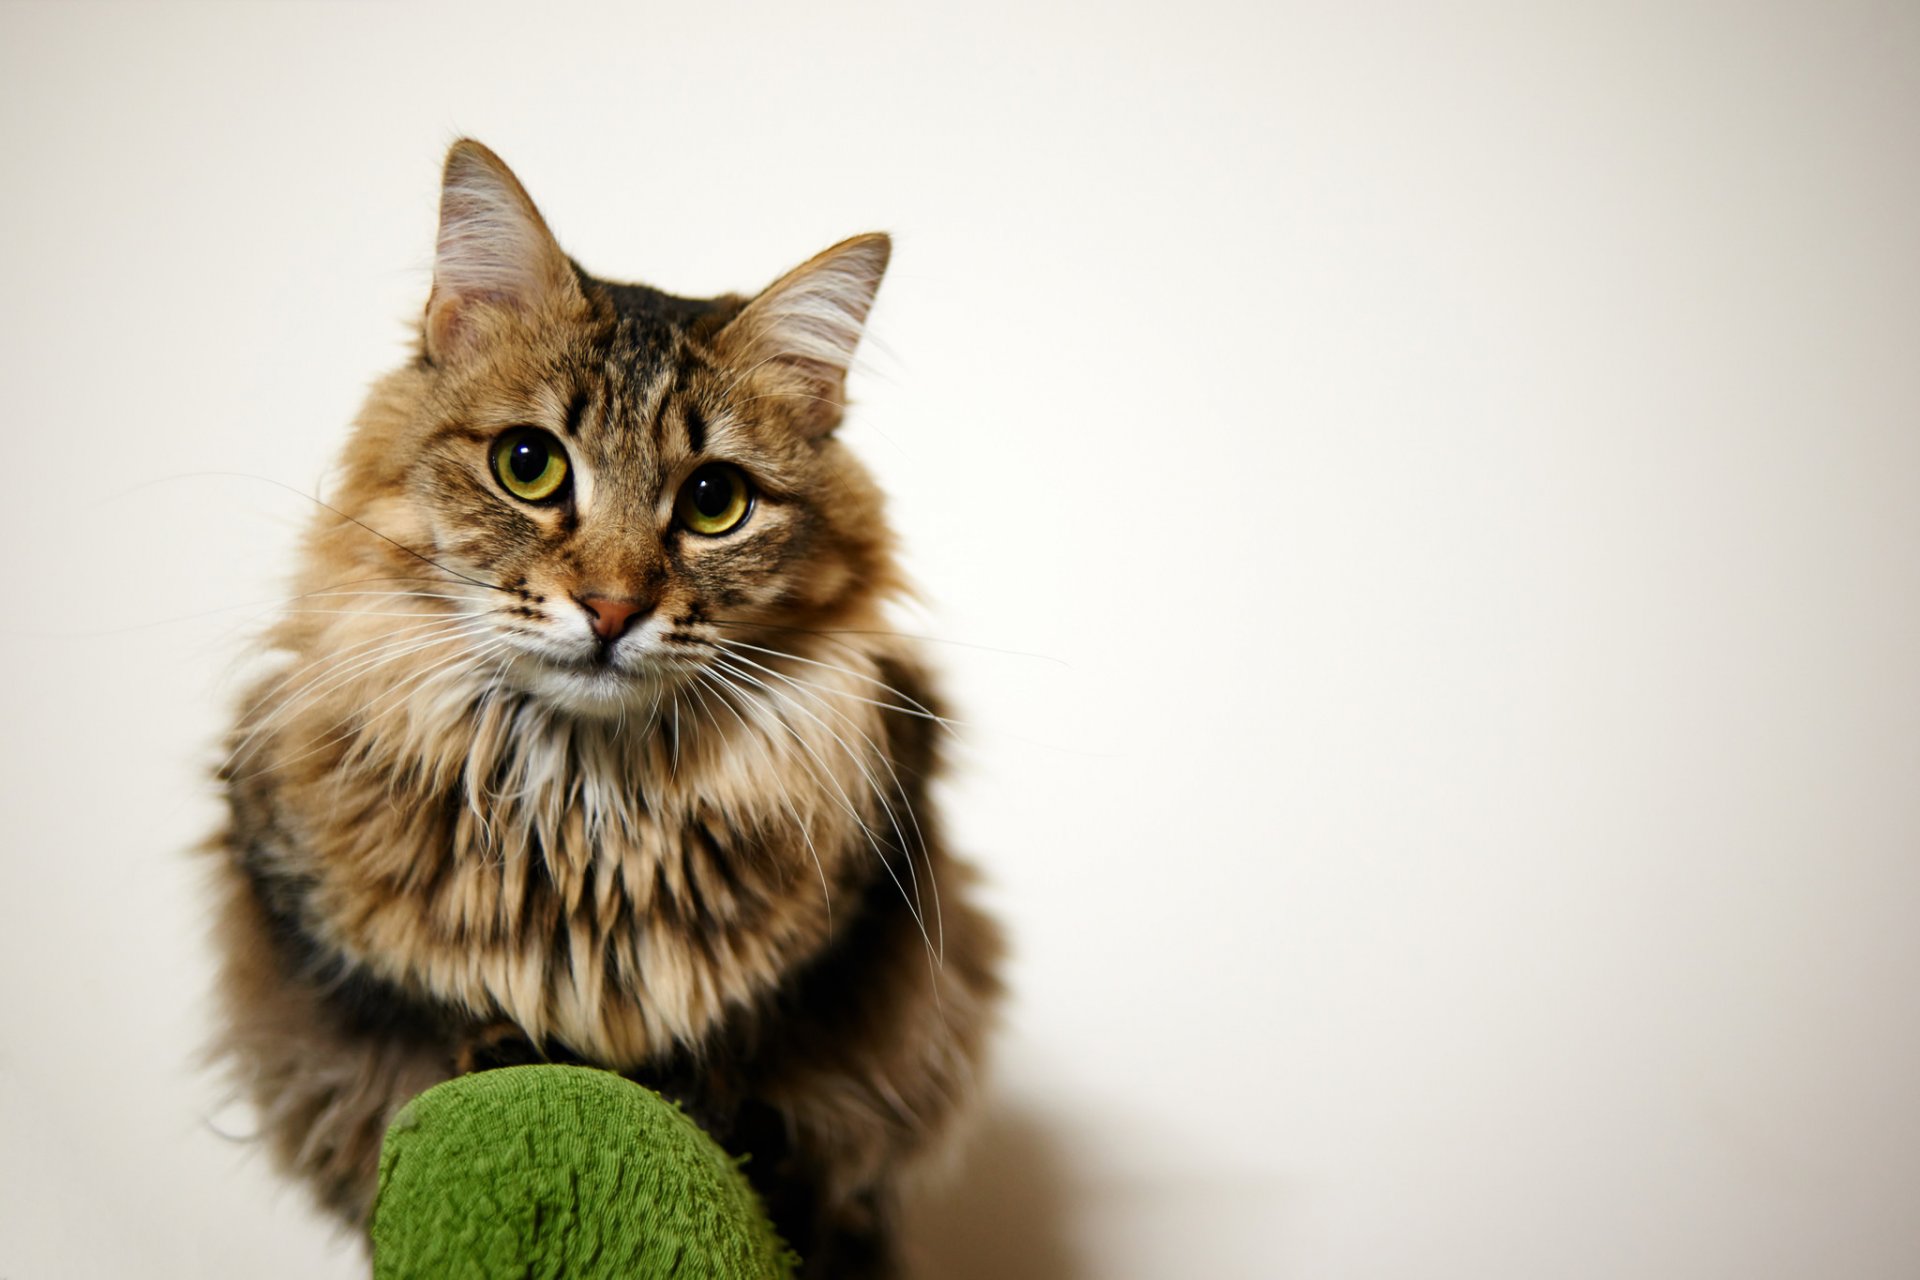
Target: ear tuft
{"points": [[494, 254], [801, 332]]}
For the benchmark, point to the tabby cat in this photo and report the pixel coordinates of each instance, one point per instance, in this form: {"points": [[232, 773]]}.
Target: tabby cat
{"points": [[586, 739]]}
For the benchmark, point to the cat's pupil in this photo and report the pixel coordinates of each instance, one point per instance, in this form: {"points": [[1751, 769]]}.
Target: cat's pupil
{"points": [[528, 461], [712, 495]]}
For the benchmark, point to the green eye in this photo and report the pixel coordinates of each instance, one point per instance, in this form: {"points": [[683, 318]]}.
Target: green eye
{"points": [[714, 500], [530, 464]]}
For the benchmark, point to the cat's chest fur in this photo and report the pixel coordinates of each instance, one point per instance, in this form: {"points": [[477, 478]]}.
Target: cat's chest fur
{"points": [[607, 889]]}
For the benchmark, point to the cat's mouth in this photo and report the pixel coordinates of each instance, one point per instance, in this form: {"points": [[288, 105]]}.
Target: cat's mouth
{"points": [[605, 671], [599, 659], [596, 664], [595, 683]]}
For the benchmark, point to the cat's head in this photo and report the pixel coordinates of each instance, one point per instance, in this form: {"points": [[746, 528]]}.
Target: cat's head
{"points": [[609, 481]]}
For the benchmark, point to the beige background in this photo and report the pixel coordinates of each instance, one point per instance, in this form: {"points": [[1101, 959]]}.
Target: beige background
{"points": [[1422, 500]]}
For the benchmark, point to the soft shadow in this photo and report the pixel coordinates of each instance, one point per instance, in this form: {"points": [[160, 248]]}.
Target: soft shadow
{"points": [[1003, 1215]]}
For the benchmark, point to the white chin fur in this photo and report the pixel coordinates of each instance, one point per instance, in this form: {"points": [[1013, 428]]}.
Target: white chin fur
{"points": [[598, 693]]}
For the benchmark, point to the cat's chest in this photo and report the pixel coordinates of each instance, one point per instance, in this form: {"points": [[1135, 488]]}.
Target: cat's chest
{"points": [[588, 900]]}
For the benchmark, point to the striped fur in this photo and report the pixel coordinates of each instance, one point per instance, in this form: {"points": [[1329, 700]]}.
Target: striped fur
{"points": [[465, 831]]}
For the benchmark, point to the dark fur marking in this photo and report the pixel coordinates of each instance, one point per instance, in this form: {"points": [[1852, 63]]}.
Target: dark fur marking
{"points": [[666, 908], [626, 920], [749, 899], [576, 409], [540, 890], [704, 921], [560, 949], [364, 1003]]}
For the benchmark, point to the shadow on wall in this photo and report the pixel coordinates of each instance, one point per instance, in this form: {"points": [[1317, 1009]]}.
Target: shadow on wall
{"points": [[1004, 1215]]}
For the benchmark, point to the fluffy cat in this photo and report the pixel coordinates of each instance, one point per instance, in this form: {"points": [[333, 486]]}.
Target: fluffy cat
{"points": [[587, 740]]}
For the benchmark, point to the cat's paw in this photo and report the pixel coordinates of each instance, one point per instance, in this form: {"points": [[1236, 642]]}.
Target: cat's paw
{"points": [[497, 1044]]}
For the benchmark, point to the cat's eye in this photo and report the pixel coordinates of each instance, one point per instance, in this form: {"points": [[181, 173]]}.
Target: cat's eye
{"points": [[529, 463], [714, 500]]}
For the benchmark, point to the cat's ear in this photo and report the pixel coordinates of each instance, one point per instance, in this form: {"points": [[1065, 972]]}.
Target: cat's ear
{"points": [[797, 338], [495, 257]]}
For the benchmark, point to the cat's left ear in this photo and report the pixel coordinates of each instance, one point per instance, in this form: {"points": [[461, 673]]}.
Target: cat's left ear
{"points": [[797, 338], [495, 261]]}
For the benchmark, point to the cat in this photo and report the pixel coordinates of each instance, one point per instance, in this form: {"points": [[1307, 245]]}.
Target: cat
{"points": [[586, 739]]}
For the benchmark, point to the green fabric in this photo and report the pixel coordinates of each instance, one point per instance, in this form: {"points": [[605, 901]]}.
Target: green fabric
{"points": [[547, 1171]]}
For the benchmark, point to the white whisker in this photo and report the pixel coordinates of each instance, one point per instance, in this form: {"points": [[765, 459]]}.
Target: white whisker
{"points": [[846, 801], [415, 682], [913, 707], [384, 648], [786, 796], [919, 837]]}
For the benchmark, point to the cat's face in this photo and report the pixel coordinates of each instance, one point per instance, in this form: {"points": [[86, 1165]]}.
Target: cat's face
{"points": [[617, 482]]}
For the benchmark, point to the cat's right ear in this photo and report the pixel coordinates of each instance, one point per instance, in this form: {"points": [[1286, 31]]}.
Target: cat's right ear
{"points": [[495, 261]]}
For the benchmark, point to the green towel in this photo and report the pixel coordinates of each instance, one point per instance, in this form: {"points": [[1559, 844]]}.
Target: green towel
{"points": [[530, 1173]]}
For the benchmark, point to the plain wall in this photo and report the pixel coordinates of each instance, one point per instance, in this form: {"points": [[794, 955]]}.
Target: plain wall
{"points": [[1417, 505]]}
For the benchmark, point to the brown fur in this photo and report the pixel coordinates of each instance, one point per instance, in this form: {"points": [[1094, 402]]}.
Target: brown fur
{"points": [[461, 833]]}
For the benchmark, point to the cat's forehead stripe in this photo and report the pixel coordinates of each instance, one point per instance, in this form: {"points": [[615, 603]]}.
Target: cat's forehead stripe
{"points": [[576, 409]]}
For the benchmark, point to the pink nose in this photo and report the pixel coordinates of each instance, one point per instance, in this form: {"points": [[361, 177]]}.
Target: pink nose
{"points": [[610, 617]]}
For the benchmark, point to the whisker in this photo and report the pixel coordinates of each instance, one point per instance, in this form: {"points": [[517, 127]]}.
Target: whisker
{"points": [[393, 635], [384, 595], [952, 725], [415, 682], [362, 613], [873, 839], [318, 502], [786, 796], [327, 681], [919, 836], [95, 633], [375, 644], [914, 707], [904, 635], [673, 769]]}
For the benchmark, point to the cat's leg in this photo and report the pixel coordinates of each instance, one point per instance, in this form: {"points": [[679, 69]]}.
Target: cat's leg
{"points": [[858, 1241], [501, 1043], [874, 1082], [324, 1068]]}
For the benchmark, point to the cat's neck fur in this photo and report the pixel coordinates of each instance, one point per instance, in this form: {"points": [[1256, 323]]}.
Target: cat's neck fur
{"points": [[474, 846]]}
